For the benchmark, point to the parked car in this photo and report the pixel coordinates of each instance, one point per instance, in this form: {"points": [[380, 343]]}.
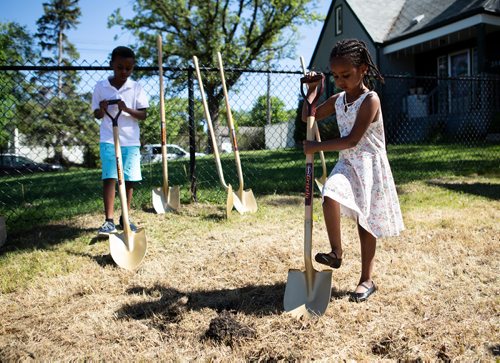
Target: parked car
{"points": [[152, 153], [13, 164]]}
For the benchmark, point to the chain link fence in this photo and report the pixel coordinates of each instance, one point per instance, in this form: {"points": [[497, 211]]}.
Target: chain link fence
{"points": [[46, 124]]}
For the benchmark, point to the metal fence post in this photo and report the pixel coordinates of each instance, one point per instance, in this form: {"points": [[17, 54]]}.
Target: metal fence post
{"points": [[192, 134]]}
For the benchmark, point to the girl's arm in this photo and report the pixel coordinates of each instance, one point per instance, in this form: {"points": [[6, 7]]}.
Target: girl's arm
{"points": [[366, 115], [324, 110]]}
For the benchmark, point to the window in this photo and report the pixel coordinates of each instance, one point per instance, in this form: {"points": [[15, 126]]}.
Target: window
{"points": [[338, 20], [456, 94], [442, 66], [474, 62], [460, 64]]}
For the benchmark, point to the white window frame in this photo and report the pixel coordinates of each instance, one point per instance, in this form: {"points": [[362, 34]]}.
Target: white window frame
{"points": [[338, 20]]}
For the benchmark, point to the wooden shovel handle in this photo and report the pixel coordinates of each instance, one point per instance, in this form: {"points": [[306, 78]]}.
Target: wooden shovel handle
{"points": [[316, 82], [230, 124], [316, 128], [159, 41], [210, 125]]}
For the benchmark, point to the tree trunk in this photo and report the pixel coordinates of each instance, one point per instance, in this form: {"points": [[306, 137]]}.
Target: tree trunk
{"points": [[59, 61]]}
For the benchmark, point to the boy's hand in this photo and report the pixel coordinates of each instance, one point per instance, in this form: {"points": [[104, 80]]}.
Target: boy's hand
{"points": [[122, 106], [103, 105], [100, 112]]}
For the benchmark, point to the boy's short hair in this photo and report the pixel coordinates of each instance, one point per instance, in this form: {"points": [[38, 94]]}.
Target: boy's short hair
{"points": [[121, 51]]}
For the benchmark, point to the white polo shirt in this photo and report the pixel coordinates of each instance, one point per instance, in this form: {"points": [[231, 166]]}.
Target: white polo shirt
{"points": [[134, 97]]}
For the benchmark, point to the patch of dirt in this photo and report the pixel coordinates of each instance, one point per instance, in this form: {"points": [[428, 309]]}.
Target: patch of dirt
{"points": [[225, 329]]}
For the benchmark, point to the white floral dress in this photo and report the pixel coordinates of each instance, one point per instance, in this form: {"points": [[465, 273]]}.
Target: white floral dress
{"points": [[362, 181]]}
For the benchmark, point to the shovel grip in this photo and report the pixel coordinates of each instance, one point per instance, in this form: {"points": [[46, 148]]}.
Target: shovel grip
{"points": [[114, 120], [317, 81]]}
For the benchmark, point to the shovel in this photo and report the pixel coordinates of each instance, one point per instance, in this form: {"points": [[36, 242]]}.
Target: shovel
{"points": [[165, 198], [128, 248], [246, 196], [322, 180], [308, 293], [232, 199]]}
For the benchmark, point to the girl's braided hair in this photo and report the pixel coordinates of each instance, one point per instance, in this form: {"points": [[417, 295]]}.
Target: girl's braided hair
{"points": [[357, 53]]}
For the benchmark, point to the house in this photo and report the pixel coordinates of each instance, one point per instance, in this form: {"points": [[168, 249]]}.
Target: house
{"points": [[447, 51]]}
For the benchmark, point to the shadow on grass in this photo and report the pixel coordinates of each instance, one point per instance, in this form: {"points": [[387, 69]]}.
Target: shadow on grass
{"points": [[339, 294], [251, 300], [487, 190], [494, 350], [43, 198], [42, 237], [102, 260], [281, 201]]}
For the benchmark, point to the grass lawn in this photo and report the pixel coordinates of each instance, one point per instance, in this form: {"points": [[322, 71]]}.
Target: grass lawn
{"points": [[211, 288], [48, 197]]}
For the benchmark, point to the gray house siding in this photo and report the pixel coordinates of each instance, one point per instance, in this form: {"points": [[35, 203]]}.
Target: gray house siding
{"points": [[351, 28], [400, 64], [425, 42]]}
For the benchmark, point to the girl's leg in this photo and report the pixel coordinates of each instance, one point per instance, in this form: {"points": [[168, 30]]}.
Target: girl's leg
{"points": [[368, 246], [108, 195], [331, 212]]}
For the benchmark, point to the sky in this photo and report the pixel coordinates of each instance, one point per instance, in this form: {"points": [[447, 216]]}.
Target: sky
{"points": [[94, 40]]}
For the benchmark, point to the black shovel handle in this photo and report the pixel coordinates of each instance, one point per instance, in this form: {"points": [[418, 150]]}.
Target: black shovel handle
{"points": [[114, 119], [319, 79]]}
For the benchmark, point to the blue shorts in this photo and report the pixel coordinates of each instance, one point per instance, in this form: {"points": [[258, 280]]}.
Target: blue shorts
{"points": [[131, 156]]}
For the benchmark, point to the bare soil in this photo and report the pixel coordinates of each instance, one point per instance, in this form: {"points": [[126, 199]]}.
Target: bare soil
{"points": [[211, 289]]}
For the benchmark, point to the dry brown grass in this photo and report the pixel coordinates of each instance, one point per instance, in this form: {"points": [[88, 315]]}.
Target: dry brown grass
{"points": [[438, 292]]}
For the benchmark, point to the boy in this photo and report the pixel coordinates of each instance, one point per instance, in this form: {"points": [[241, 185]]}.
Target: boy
{"points": [[133, 103]]}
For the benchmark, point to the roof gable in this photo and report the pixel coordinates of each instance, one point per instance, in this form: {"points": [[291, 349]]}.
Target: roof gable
{"points": [[377, 17], [418, 16]]}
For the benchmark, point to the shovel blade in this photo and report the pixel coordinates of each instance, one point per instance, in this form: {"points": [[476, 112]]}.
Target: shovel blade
{"points": [[128, 252], [303, 301], [320, 182], [229, 200], [248, 200], [237, 204], [162, 204]]}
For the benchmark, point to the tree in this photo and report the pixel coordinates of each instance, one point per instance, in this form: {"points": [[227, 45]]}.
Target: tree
{"points": [[61, 122], [59, 17], [278, 112], [58, 116], [246, 32], [176, 119], [16, 47]]}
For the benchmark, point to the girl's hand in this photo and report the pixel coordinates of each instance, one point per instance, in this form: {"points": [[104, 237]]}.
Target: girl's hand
{"points": [[310, 75], [310, 147]]}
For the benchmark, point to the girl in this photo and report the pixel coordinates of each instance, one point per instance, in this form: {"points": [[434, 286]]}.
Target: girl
{"points": [[361, 185]]}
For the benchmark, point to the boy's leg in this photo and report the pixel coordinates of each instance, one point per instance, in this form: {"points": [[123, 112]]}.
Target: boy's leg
{"points": [[368, 247], [129, 187], [108, 196], [108, 161], [132, 173], [331, 212], [131, 170]]}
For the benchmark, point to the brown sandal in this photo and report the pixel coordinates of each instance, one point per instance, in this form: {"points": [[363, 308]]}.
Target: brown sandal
{"points": [[328, 259]]}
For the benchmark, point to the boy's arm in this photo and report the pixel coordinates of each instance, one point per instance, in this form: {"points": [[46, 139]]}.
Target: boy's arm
{"points": [[97, 105], [139, 114], [140, 102], [99, 112]]}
